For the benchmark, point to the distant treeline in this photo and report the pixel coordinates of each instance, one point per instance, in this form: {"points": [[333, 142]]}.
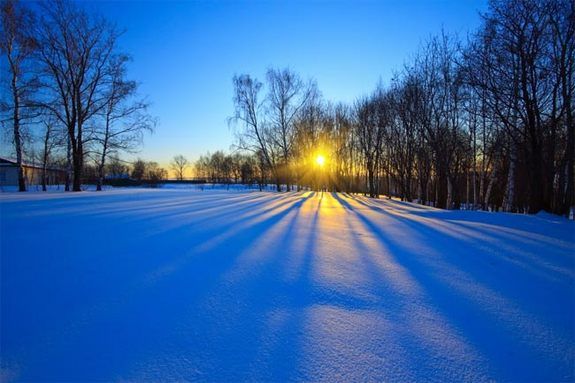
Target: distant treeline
{"points": [[220, 167], [487, 122]]}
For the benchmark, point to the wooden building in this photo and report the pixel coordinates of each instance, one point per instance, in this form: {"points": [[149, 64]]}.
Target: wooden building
{"points": [[32, 174]]}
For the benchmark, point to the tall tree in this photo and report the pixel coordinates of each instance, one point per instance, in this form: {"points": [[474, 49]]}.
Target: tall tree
{"points": [[52, 138], [18, 45], [253, 136], [287, 96], [370, 141], [76, 49]]}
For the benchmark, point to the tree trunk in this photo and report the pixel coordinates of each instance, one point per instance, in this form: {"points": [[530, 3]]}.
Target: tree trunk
{"points": [[510, 190], [474, 185], [44, 168], [102, 165], [68, 180], [492, 180], [536, 195], [17, 138], [371, 181], [467, 191], [441, 190], [569, 198], [78, 164], [100, 180], [278, 184], [449, 200], [423, 181]]}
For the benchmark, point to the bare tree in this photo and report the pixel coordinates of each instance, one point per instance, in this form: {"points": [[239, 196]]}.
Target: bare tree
{"points": [[76, 50], [253, 136], [52, 139], [288, 94], [18, 44], [123, 118], [179, 164], [440, 117], [365, 125], [403, 102]]}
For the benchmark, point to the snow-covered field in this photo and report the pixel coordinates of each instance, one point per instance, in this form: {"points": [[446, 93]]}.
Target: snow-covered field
{"points": [[164, 285]]}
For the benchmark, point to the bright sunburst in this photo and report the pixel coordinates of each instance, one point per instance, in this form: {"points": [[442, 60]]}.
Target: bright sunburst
{"points": [[320, 160]]}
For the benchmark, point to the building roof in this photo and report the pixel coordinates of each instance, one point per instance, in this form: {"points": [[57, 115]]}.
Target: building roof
{"points": [[10, 162]]}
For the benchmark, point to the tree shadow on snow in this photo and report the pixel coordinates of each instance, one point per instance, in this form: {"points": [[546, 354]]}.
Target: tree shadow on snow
{"points": [[472, 289]]}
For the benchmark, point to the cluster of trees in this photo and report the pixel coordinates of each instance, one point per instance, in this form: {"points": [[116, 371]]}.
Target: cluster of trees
{"points": [[268, 125], [220, 167], [485, 124], [147, 171], [65, 88]]}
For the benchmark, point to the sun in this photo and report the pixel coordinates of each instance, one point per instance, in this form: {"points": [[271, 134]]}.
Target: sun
{"points": [[320, 160]]}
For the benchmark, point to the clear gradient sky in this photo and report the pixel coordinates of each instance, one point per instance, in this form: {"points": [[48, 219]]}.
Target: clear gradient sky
{"points": [[185, 53]]}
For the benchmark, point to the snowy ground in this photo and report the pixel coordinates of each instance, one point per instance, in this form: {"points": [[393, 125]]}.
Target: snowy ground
{"points": [[160, 285]]}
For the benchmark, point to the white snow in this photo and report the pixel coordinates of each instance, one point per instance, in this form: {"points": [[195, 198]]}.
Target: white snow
{"points": [[172, 285]]}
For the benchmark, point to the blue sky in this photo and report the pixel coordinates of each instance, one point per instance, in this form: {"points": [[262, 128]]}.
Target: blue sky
{"points": [[185, 53]]}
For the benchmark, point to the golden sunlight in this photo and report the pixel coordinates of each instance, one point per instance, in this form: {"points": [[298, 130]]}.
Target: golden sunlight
{"points": [[320, 160]]}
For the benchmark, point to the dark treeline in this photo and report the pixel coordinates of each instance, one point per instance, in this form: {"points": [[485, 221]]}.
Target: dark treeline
{"points": [[485, 124], [220, 167], [65, 93]]}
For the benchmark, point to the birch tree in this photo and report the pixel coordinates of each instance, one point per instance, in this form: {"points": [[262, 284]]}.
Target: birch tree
{"points": [[18, 45]]}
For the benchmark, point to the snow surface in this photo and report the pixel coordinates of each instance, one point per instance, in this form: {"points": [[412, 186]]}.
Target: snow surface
{"points": [[166, 285]]}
